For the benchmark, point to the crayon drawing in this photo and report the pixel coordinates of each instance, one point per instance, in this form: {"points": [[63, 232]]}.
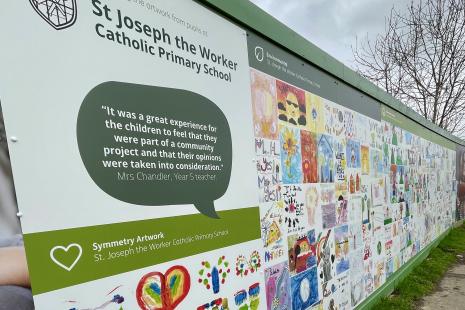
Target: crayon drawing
{"points": [[386, 160], [354, 181], [388, 214], [389, 267], [315, 115], [378, 191], [294, 207], [264, 105], [365, 158], [250, 301], [376, 134], [328, 206], [345, 200], [304, 288], [269, 178], [266, 147], [378, 245], [213, 275], [327, 193], [342, 211], [330, 300], [362, 128], [356, 291], [268, 169], [355, 209], [291, 104], [317, 306], [376, 162], [367, 236], [273, 229], [368, 277], [328, 117], [349, 124], [353, 154], [302, 252], [397, 261], [278, 290], [340, 170], [366, 208], [343, 291], [291, 157], [394, 192], [394, 139], [356, 264], [355, 232], [112, 299], [378, 219], [309, 157], [335, 124], [356, 278], [379, 273], [217, 304], [326, 256], [312, 203], [250, 265], [156, 290], [341, 238], [328, 214], [325, 159]]}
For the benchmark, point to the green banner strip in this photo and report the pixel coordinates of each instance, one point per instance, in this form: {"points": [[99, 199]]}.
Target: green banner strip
{"points": [[154, 241], [406, 123]]}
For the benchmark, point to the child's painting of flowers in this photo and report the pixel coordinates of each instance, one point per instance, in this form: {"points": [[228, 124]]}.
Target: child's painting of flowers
{"points": [[264, 104], [291, 157], [309, 157]]}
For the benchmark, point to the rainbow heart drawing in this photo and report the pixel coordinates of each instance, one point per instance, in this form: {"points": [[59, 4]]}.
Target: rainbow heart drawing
{"points": [[158, 291]]}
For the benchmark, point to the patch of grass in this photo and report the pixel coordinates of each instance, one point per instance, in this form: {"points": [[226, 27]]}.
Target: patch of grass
{"points": [[424, 278]]}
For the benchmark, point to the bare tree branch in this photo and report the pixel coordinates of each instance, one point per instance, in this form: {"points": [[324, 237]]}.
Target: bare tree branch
{"points": [[420, 60]]}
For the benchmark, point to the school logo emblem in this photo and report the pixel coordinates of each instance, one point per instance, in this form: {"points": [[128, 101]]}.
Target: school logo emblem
{"points": [[259, 53], [59, 14]]}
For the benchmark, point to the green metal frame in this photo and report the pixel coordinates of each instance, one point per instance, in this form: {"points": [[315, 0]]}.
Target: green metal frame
{"points": [[252, 18]]}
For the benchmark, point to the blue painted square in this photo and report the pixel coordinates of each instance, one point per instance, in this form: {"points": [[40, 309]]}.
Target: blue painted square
{"points": [[304, 289]]}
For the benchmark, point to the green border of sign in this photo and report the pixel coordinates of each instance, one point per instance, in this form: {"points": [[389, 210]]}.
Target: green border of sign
{"points": [[245, 13]]}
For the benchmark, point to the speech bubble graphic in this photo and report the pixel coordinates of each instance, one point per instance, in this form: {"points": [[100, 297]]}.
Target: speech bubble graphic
{"points": [[150, 145]]}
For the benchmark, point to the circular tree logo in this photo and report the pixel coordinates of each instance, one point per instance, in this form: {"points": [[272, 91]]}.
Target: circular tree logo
{"points": [[59, 14], [259, 53]]}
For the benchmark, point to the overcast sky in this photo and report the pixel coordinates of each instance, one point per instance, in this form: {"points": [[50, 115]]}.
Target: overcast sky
{"points": [[333, 25]]}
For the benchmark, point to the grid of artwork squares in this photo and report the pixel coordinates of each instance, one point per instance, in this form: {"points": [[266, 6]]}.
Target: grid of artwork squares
{"points": [[345, 200]]}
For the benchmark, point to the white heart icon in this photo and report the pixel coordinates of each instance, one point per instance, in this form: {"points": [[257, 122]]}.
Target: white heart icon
{"points": [[66, 249]]}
